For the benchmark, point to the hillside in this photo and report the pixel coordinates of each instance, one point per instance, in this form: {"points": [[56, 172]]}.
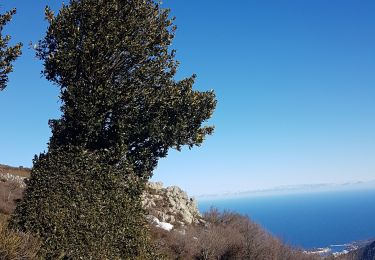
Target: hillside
{"points": [[180, 231], [364, 253], [368, 253], [17, 171]]}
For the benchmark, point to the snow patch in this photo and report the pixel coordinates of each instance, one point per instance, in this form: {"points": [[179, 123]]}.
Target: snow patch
{"points": [[163, 225]]}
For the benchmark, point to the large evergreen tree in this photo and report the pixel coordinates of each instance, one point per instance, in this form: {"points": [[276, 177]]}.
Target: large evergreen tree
{"points": [[8, 54], [112, 62], [122, 111]]}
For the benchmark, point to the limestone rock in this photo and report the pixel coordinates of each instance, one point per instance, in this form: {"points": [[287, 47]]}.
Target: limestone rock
{"points": [[171, 205]]}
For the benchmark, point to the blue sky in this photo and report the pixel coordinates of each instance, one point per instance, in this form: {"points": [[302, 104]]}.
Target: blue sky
{"points": [[295, 82]]}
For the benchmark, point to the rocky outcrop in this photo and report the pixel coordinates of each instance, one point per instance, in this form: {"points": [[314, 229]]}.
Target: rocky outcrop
{"points": [[171, 205], [7, 177]]}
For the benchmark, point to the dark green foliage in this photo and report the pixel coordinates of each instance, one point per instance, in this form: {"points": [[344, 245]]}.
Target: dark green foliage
{"points": [[122, 111], [112, 64], [83, 209], [7, 54]]}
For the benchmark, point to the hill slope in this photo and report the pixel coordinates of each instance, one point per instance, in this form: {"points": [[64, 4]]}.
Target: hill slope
{"points": [[179, 230]]}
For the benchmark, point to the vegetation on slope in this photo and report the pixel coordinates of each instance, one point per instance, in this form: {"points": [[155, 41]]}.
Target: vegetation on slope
{"points": [[365, 253], [226, 235], [222, 235], [17, 171], [13, 244]]}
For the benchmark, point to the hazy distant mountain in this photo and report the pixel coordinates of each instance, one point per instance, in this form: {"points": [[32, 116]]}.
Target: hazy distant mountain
{"points": [[287, 189]]}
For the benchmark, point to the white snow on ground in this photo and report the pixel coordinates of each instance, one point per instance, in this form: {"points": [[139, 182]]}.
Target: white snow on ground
{"points": [[163, 225]]}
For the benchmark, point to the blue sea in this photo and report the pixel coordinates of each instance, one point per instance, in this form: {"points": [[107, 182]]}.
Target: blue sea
{"points": [[310, 220]]}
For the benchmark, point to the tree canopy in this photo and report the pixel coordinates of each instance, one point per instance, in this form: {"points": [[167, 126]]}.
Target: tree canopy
{"points": [[122, 110], [113, 64], [8, 54]]}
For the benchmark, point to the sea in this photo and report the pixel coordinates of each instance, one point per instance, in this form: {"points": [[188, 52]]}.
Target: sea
{"points": [[335, 220]]}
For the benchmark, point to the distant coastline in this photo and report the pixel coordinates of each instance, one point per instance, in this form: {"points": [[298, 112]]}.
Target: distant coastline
{"points": [[312, 220], [292, 189]]}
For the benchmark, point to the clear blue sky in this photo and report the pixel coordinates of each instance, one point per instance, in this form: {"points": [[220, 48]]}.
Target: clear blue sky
{"points": [[295, 82]]}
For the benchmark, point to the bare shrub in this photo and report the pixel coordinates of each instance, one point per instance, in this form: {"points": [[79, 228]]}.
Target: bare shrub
{"points": [[217, 242], [226, 235], [16, 245], [10, 193], [173, 244]]}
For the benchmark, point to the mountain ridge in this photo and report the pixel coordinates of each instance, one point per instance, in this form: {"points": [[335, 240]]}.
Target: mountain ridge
{"points": [[291, 189]]}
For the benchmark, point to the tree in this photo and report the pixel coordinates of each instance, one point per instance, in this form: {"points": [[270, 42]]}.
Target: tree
{"points": [[112, 62], [7, 54], [122, 111]]}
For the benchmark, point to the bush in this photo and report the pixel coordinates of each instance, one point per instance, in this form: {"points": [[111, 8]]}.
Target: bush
{"points": [[16, 245], [227, 235], [83, 209]]}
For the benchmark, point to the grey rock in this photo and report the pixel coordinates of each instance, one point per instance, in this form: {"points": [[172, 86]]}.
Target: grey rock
{"points": [[171, 205]]}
